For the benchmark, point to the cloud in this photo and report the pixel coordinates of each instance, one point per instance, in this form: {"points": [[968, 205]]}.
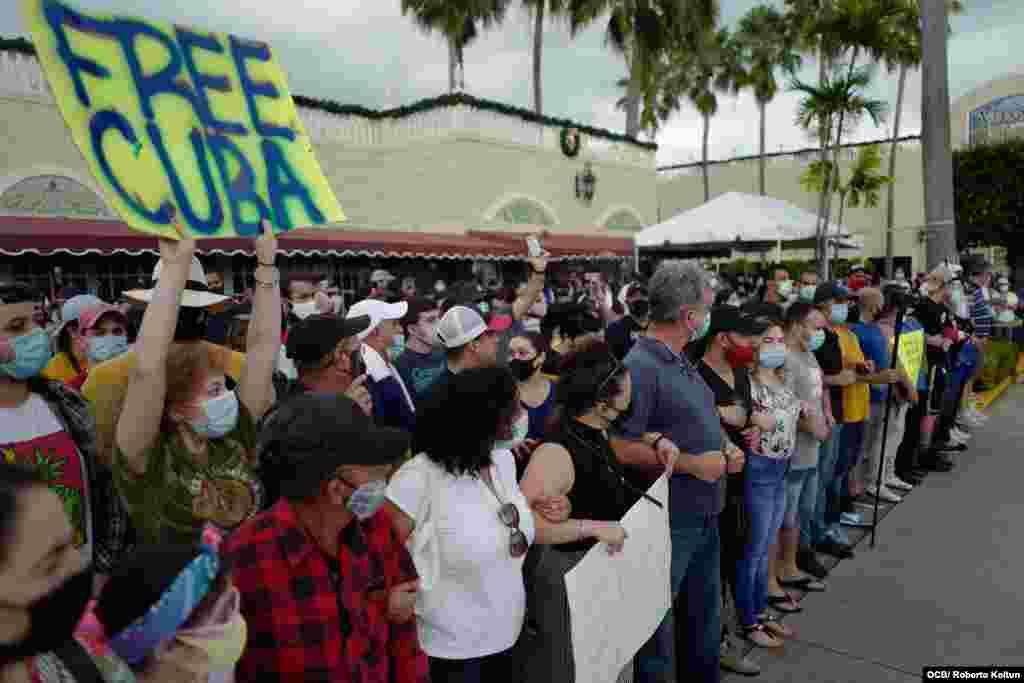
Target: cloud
{"points": [[365, 52]]}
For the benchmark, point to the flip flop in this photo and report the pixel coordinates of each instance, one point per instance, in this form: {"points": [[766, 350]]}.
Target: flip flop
{"points": [[807, 583], [784, 604]]}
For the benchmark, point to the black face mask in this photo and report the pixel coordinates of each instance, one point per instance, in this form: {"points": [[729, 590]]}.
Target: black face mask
{"points": [[522, 369], [191, 324], [52, 619], [640, 308]]}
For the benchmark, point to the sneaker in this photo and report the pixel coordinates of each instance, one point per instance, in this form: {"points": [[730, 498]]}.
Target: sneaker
{"points": [[732, 659], [899, 484], [884, 494], [854, 519], [759, 636], [831, 547], [957, 436]]}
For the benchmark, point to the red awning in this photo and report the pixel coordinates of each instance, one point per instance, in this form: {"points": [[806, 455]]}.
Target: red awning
{"points": [[46, 236]]}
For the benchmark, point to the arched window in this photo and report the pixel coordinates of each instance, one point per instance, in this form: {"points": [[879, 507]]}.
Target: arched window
{"points": [[623, 220], [53, 195], [524, 211]]}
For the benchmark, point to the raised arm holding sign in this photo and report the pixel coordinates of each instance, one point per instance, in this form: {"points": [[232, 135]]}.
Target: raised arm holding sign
{"points": [[181, 126]]}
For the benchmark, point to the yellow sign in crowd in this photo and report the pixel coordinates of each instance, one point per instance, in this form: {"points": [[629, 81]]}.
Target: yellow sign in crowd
{"points": [[180, 125]]}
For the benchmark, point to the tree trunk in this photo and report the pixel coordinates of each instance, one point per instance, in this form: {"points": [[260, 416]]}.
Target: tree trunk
{"points": [[453, 60], [538, 48], [937, 158], [633, 98], [704, 158], [762, 106], [834, 170], [890, 197], [823, 140]]}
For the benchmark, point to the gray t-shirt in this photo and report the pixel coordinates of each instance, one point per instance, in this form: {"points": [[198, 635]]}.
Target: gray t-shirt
{"points": [[803, 377]]}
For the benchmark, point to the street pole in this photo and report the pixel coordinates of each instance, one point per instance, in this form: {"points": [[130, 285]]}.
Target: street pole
{"points": [[937, 156]]}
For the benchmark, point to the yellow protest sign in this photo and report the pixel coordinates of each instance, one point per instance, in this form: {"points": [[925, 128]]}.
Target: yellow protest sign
{"points": [[181, 125], [911, 354]]}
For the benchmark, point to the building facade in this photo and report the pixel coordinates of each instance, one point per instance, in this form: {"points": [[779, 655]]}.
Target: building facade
{"points": [[433, 190]]}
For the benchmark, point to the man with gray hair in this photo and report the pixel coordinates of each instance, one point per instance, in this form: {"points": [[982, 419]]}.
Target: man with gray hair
{"points": [[670, 401]]}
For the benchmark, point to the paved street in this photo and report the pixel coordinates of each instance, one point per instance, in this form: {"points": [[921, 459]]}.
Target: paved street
{"points": [[942, 586]]}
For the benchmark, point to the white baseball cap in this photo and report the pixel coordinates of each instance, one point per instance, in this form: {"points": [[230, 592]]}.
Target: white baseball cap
{"points": [[459, 326], [381, 276], [378, 312], [196, 294]]}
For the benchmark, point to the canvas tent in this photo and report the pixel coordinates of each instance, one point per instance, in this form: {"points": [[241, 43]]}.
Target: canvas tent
{"points": [[733, 217]]}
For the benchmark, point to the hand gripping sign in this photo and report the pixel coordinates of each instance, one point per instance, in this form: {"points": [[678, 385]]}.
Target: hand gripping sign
{"points": [[180, 125]]}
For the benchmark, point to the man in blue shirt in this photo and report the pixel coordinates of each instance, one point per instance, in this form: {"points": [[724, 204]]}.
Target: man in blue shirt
{"points": [[671, 400]]}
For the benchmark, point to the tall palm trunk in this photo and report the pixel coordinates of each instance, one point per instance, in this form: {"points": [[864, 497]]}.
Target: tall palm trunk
{"points": [[762, 106], [704, 157], [453, 60], [633, 95], [834, 170], [538, 49], [821, 244], [890, 195]]}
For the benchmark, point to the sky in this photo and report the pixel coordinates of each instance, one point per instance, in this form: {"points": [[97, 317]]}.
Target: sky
{"points": [[365, 52]]}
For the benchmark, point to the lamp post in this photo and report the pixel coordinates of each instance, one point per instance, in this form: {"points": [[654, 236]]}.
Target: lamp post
{"points": [[585, 183]]}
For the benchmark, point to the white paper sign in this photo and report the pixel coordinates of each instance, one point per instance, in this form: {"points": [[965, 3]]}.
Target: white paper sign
{"points": [[617, 601]]}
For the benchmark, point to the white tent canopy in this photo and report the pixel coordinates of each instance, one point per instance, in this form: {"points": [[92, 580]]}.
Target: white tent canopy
{"points": [[752, 218]]}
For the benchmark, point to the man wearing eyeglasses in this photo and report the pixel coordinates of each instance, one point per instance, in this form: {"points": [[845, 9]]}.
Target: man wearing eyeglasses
{"points": [[324, 580]]}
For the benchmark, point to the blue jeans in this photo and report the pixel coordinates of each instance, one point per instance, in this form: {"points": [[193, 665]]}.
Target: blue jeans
{"points": [[765, 496], [828, 455], [801, 502], [851, 451], [695, 570]]}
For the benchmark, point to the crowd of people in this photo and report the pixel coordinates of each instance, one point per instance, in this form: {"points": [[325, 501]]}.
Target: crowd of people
{"points": [[289, 490]]}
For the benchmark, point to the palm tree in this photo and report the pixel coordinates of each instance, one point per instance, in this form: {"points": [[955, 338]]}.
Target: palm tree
{"points": [[903, 53], [865, 183], [825, 109], [766, 42], [643, 31], [457, 21], [540, 8]]}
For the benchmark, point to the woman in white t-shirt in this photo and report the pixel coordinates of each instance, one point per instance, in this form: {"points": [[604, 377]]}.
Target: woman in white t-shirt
{"points": [[470, 528]]}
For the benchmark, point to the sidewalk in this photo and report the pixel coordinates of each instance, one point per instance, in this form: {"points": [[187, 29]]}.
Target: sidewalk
{"points": [[943, 586]]}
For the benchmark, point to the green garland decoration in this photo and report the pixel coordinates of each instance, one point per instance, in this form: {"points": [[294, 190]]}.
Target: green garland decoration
{"points": [[448, 100], [568, 149]]}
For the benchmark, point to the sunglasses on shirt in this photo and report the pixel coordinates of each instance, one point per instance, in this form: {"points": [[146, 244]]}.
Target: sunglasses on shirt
{"points": [[508, 513]]}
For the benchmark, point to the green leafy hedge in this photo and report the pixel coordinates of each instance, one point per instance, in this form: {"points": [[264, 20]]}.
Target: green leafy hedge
{"points": [[988, 182], [449, 100]]}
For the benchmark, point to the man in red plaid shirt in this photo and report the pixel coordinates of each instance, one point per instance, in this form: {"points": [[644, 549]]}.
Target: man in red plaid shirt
{"points": [[316, 572]]}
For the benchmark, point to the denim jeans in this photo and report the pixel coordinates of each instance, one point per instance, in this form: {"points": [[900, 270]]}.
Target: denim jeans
{"points": [[827, 457], [696, 572], [801, 501], [851, 451], [499, 666], [766, 505]]}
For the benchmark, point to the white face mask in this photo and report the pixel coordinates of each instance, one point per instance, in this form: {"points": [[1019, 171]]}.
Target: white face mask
{"points": [[304, 310], [520, 430]]}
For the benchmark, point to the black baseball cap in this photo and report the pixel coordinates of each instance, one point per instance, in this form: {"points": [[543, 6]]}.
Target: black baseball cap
{"points": [[313, 338], [830, 290], [417, 305], [732, 319], [308, 437]]}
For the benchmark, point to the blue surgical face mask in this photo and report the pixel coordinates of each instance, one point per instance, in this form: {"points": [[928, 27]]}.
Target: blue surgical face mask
{"points": [[703, 329], [519, 432], [104, 348], [839, 314], [817, 340], [807, 293], [773, 356], [368, 498], [397, 347], [31, 354], [220, 416], [785, 288]]}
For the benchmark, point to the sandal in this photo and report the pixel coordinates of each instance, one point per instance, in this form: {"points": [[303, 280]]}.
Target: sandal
{"points": [[757, 635], [775, 627], [784, 604], [805, 583]]}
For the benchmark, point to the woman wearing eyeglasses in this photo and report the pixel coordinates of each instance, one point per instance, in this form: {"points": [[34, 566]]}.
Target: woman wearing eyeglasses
{"points": [[468, 527], [576, 461]]}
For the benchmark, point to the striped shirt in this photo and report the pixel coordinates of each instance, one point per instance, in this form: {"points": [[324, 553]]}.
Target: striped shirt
{"points": [[981, 314]]}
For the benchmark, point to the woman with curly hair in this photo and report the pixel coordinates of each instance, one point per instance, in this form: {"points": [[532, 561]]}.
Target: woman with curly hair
{"points": [[577, 460], [468, 526]]}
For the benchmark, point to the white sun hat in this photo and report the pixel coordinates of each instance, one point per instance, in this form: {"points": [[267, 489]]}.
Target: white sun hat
{"points": [[197, 293], [378, 311]]}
